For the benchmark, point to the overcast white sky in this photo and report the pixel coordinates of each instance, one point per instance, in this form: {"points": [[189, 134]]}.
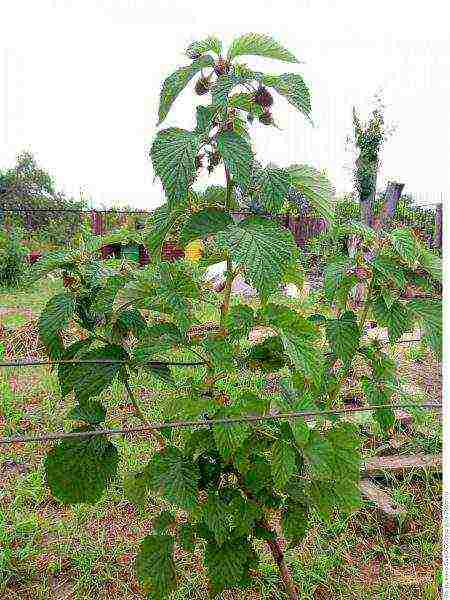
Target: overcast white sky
{"points": [[80, 83]]}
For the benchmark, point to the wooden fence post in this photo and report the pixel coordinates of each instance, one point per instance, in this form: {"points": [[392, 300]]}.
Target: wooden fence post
{"points": [[438, 227], [393, 193], [97, 229]]}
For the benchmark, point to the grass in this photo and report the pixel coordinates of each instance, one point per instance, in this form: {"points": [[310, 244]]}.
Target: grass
{"points": [[49, 551]]}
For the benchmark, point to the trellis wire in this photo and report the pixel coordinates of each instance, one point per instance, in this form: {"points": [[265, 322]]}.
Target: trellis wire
{"points": [[204, 423], [154, 363]]}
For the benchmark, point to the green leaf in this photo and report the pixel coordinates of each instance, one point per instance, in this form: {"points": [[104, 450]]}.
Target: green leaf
{"points": [[268, 356], [215, 514], [305, 356], [90, 411], [55, 316], [163, 221], [204, 223], [396, 318], [105, 297], [227, 564], [300, 431], [293, 87], [211, 43], [80, 469], [163, 521], [130, 320], [239, 320], [283, 462], [262, 247], [294, 523], [377, 394], [172, 475], [186, 533], [205, 118], [335, 277], [245, 514], [429, 314], [135, 489], [406, 245], [343, 335], [177, 81], [316, 188], [155, 567], [173, 156], [321, 456], [389, 271], [90, 379], [258, 44], [272, 184], [229, 437], [431, 263], [237, 155], [60, 259]]}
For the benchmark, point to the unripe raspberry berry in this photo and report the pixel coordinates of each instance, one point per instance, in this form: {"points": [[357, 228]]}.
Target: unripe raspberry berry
{"points": [[263, 97]]}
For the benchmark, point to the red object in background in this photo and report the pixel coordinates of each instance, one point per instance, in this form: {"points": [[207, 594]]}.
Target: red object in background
{"points": [[171, 252], [97, 222], [144, 257], [34, 257]]}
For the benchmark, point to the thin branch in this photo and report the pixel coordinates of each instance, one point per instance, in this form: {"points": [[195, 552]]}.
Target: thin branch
{"points": [[206, 423]]}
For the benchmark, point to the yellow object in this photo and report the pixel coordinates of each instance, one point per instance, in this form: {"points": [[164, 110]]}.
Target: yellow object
{"points": [[194, 250]]}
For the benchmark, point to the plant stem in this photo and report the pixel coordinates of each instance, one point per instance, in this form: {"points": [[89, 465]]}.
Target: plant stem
{"points": [[229, 273], [285, 574]]}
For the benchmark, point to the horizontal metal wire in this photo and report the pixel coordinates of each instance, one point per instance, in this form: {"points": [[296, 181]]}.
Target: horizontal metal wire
{"points": [[153, 363], [77, 210], [205, 423]]}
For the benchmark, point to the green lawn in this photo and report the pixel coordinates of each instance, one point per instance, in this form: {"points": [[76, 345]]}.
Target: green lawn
{"points": [[49, 551]]}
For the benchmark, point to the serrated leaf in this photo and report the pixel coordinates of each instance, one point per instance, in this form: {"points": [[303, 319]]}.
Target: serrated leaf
{"points": [[211, 43], [215, 514], [293, 87], [186, 535], [163, 521], [343, 335], [316, 188], [294, 523], [205, 118], [54, 317], [268, 356], [245, 514], [429, 314], [130, 320], [431, 263], [173, 156], [406, 245], [260, 246], [175, 477], [258, 44], [395, 318], [135, 488], [389, 271], [229, 437], [239, 320], [52, 261], [163, 221], [227, 564], [272, 184], [105, 297], [376, 395], [204, 223], [90, 411], [321, 456], [177, 81], [155, 567], [237, 155], [300, 430], [283, 462], [305, 356], [90, 379], [80, 469]]}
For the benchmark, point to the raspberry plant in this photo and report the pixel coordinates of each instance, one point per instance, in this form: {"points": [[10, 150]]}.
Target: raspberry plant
{"points": [[227, 487]]}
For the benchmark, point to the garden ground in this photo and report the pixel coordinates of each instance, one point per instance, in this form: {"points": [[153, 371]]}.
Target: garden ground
{"points": [[49, 551]]}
